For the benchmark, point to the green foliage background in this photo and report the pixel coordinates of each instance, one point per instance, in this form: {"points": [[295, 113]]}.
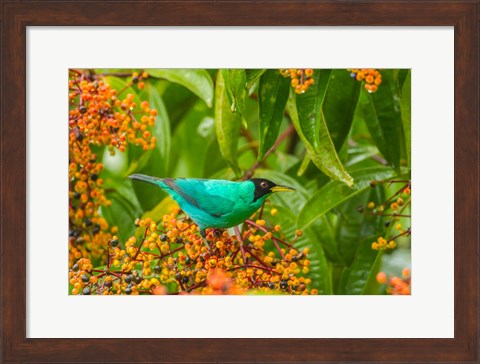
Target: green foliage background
{"points": [[220, 123]]}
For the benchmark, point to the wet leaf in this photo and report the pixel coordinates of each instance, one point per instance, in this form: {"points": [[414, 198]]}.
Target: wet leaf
{"points": [[196, 80], [227, 124], [272, 98]]}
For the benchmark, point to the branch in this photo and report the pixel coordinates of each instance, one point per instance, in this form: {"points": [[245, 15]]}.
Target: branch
{"points": [[257, 164]]}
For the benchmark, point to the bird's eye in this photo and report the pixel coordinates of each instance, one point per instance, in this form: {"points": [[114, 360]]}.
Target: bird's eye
{"points": [[264, 184]]}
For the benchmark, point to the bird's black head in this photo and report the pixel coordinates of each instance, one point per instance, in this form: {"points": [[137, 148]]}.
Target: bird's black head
{"points": [[265, 187]]}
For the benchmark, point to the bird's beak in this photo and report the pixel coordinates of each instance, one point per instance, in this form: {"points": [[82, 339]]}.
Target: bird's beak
{"points": [[281, 189]]}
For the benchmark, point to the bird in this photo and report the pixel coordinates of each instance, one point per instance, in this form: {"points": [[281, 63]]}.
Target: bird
{"points": [[214, 203]]}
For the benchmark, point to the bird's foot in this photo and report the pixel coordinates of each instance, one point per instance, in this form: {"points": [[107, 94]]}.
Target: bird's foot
{"points": [[203, 234]]}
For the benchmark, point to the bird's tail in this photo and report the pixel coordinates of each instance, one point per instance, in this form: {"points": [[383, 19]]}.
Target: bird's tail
{"points": [[145, 178]]}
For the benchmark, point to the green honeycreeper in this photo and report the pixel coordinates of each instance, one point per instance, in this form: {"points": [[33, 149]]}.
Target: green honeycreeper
{"points": [[213, 203]]}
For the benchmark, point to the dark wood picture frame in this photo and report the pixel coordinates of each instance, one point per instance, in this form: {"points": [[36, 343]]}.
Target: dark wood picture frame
{"points": [[18, 15]]}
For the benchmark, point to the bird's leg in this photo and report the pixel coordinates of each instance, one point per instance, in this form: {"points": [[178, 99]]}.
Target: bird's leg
{"points": [[240, 242], [203, 234]]}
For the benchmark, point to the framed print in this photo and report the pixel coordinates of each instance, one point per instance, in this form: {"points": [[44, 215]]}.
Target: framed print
{"points": [[149, 228]]}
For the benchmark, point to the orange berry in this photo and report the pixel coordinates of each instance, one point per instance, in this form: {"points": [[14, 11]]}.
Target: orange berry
{"points": [[381, 278]]}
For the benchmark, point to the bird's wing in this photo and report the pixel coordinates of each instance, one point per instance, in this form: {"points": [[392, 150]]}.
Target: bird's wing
{"points": [[213, 199]]}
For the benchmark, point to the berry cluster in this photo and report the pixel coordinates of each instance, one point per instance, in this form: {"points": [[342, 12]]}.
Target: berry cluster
{"points": [[98, 117], [396, 285], [138, 79], [301, 78], [371, 77], [381, 243], [170, 257], [393, 210]]}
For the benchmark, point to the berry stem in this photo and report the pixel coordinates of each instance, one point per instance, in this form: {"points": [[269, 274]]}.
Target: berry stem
{"points": [[406, 232], [250, 222], [394, 214], [253, 255], [395, 194], [252, 266], [141, 243]]}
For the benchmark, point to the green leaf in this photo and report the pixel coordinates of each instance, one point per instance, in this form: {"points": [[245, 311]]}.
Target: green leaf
{"points": [[124, 208], [196, 80], [178, 100], [294, 200], [138, 164], [315, 237], [119, 214], [191, 139], [164, 207], [152, 162], [381, 112], [227, 124], [334, 193], [371, 285], [303, 167], [252, 76], [213, 160], [400, 76], [122, 88], [235, 81], [157, 159], [339, 105], [406, 114], [121, 185], [115, 164], [161, 129], [352, 227], [309, 108], [325, 233], [358, 279], [281, 161], [272, 97], [306, 115]]}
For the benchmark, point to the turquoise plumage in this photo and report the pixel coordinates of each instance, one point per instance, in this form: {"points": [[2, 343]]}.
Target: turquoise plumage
{"points": [[216, 203]]}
